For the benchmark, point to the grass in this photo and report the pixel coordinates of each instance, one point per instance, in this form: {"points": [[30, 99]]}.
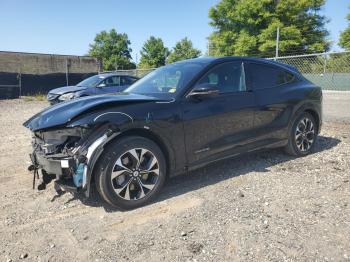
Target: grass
{"points": [[36, 97]]}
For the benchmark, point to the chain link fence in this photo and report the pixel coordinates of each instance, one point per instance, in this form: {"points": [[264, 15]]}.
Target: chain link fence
{"points": [[132, 72], [331, 71]]}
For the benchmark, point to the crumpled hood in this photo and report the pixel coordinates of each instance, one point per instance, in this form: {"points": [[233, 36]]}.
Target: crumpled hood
{"points": [[67, 89], [62, 113]]}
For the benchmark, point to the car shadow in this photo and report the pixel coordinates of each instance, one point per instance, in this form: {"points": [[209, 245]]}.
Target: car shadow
{"points": [[259, 161]]}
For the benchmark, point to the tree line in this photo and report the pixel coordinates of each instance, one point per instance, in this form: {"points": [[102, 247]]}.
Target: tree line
{"points": [[113, 50], [241, 27]]}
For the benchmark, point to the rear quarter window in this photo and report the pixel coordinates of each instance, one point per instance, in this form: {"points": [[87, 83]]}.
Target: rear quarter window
{"points": [[265, 76]]}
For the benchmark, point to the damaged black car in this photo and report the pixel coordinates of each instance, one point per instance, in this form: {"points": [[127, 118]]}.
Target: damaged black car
{"points": [[178, 118]]}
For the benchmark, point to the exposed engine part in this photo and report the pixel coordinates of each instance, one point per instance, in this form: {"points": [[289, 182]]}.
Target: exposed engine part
{"points": [[78, 175], [53, 142]]}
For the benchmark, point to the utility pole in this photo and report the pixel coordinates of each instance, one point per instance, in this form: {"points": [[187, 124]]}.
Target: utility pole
{"points": [[67, 72], [325, 63], [20, 82], [209, 48], [99, 65], [277, 42]]}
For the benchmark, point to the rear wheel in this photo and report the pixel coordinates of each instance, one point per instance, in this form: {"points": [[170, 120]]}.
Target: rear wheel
{"points": [[302, 136], [130, 172]]}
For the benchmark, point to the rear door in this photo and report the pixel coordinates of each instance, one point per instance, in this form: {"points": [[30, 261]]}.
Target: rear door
{"points": [[216, 125], [272, 86]]}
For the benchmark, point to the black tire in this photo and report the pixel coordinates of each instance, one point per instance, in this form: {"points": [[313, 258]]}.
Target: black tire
{"points": [[119, 150], [293, 146]]}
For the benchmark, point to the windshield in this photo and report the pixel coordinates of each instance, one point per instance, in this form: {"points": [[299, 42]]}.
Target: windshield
{"points": [[91, 81], [167, 80]]}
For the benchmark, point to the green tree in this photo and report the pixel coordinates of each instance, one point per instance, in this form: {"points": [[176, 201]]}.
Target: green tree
{"points": [[113, 50], [249, 27], [183, 50], [345, 36], [153, 53]]}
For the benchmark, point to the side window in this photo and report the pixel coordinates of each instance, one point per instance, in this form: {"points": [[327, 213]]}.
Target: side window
{"points": [[124, 81], [112, 81], [228, 77], [127, 80], [265, 76], [289, 77], [133, 79]]}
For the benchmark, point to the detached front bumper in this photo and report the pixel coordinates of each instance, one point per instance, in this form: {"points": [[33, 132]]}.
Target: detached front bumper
{"points": [[50, 165], [59, 168]]}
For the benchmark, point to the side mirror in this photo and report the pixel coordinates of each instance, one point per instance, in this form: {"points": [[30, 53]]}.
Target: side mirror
{"points": [[204, 90], [101, 85]]}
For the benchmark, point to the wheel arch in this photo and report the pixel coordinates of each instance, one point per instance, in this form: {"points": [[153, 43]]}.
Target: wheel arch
{"points": [[168, 155], [311, 109], [316, 116]]}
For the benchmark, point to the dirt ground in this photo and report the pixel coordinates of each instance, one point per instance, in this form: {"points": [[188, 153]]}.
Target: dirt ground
{"points": [[265, 206]]}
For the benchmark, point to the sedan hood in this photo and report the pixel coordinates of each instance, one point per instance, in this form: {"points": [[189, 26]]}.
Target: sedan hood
{"points": [[62, 113], [66, 89]]}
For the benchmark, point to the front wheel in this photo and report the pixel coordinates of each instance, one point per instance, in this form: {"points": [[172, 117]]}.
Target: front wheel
{"points": [[130, 172], [302, 136]]}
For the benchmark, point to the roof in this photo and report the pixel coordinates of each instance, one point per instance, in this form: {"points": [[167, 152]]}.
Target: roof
{"points": [[115, 74], [209, 60]]}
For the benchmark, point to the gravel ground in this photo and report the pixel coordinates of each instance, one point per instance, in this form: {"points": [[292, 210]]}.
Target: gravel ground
{"points": [[264, 206]]}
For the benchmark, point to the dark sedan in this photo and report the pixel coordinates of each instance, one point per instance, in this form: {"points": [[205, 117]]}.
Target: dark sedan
{"points": [[179, 117], [95, 85]]}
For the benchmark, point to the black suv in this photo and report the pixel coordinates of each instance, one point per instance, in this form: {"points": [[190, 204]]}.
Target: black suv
{"points": [[178, 118]]}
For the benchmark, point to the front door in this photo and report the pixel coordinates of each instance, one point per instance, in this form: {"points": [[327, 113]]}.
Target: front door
{"points": [[109, 85]]}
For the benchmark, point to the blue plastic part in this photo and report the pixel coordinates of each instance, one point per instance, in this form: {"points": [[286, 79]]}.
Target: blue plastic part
{"points": [[78, 176]]}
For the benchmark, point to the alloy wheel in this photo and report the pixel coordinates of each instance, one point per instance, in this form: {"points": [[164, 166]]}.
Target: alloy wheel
{"points": [[304, 134], [135, 174]]}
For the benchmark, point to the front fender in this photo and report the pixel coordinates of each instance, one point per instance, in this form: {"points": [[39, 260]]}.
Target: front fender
{"points": [[115, 118], [105, 126]]}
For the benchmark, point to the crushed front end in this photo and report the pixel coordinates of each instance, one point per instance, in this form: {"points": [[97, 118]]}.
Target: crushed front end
{"points": [[68, 138], [67, 156]]}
